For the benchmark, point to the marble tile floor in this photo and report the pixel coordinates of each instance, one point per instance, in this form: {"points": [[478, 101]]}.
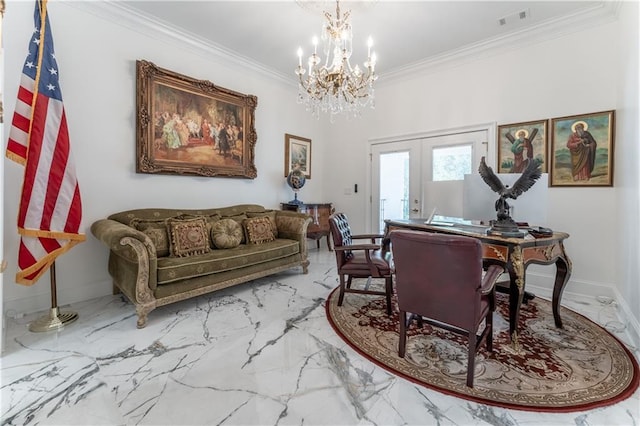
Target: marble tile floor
{"points": [[261, 353]]}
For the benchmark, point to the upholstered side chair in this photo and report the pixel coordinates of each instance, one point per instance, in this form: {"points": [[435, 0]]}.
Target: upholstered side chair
{"points": [[440, 280], [365, 260]]}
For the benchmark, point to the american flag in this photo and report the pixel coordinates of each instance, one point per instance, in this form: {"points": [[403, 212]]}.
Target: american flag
{"points": [[50, 207]]}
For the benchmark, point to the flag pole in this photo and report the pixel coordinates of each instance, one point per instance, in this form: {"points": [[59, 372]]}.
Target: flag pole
{"points": [[55, 319]]}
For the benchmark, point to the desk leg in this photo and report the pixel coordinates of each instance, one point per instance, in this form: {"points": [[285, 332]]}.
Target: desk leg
{"points": [[563, 272], [516, 292]]}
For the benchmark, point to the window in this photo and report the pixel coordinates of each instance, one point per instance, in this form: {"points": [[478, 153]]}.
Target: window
{"points": [[451, 162], [394, 186]]}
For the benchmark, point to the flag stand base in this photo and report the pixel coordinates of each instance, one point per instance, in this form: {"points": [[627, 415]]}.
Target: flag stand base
{"points": [[56, 319]]}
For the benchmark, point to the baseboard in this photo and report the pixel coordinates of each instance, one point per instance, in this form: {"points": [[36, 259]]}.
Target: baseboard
{"points": [[16, 308], [537, 283], [632, 324], [542, 285]]}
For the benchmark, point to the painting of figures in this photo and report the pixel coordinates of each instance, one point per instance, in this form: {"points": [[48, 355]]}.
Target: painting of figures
{"points": [[190, 126]]}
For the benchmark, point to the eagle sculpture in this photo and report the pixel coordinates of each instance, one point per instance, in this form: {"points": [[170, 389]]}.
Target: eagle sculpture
{"points": [[505, 224]]}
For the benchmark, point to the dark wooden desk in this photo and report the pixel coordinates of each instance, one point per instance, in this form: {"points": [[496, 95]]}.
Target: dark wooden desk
{"points": [[320, 213], [513, 253]]}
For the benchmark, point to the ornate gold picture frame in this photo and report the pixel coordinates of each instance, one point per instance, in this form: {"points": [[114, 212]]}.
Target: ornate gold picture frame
{"points": [[192, 127], [582, 150], [519, 143], [297, 154]]}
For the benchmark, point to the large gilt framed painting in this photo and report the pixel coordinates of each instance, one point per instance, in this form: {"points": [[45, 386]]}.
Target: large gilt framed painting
{"points": [[519, 143], [187, 126], [582, 150]]}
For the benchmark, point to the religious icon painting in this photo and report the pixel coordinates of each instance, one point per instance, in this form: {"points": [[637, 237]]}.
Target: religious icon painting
{"points": [[581, 150], [520, 143]]}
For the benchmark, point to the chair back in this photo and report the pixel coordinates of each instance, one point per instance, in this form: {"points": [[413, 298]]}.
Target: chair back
{"points": [[341, 235], [438, 276]]}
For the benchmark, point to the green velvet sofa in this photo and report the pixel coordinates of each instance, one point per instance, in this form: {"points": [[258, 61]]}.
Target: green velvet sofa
{"points": [[145, 264]]}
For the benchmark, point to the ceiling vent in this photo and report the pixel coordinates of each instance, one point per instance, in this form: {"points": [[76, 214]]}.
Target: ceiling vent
{"points": [[514, 17]]}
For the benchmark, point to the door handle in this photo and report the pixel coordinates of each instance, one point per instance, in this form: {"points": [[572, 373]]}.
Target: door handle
{"points": [[415, 210]]}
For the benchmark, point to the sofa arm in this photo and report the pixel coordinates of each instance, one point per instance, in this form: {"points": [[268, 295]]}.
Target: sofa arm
{"points": [[111, 233], [293, 225], [132, 246]]}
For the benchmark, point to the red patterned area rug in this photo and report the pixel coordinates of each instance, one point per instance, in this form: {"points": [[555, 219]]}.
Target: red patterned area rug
{"points": [[581, 366]]}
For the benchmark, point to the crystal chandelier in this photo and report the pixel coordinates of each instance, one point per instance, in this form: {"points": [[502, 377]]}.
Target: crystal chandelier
{"points": [[335, 86]]}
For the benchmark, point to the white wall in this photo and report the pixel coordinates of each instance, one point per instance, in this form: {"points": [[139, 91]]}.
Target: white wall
{"points": [[2, 255], [627, 160], [573, 74], [589, 70], [97, 58]]}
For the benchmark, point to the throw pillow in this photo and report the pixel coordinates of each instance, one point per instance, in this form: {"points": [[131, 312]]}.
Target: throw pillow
{"points": [[259, 230], [188, 236], [239, 218], [156, 230], [226, 233], [271, 214], [210, 221], [345, 232]]}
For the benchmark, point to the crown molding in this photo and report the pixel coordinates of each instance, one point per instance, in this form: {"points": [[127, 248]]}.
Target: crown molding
{"points": [[118, 13], [601, 13]]}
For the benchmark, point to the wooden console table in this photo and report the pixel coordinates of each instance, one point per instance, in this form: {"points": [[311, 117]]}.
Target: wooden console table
{"points": [[320, 213], [513, 253]]}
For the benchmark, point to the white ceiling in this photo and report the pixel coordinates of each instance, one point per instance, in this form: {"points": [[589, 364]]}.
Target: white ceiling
{"points": [[405, 33]]}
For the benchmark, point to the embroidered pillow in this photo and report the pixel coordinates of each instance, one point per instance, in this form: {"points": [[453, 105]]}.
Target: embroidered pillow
{"points": [[226, 234], [188, 237], [271, 214], [156, 230], [259, 230]]}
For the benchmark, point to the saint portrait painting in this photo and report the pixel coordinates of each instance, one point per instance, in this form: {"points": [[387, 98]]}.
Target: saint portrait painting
{"points": [[521, 143], [582, 150]]}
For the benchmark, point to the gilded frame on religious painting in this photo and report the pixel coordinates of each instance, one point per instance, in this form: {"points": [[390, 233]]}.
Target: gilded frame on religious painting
{"points": [[297, 154], [581, 150], [519, 143], [186, 126]]}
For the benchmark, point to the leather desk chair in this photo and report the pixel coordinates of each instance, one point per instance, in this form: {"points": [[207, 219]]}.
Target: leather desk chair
{"points": [[365, 260], [439, 278]]}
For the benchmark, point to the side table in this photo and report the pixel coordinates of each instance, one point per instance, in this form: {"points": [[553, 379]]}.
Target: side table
{"points": [[320, 213]]}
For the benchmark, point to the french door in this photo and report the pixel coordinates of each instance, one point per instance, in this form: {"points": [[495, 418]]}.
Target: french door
{"points": [[396, 181], [411, 178]]}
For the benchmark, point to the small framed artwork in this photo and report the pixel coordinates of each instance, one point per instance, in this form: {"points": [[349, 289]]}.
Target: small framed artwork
{"points": [[186, 126], [519, 143], [297, 154], [582, 150]]}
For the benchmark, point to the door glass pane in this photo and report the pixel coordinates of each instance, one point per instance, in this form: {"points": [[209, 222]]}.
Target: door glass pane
{"points": [[394, 186], [451, 162]]}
